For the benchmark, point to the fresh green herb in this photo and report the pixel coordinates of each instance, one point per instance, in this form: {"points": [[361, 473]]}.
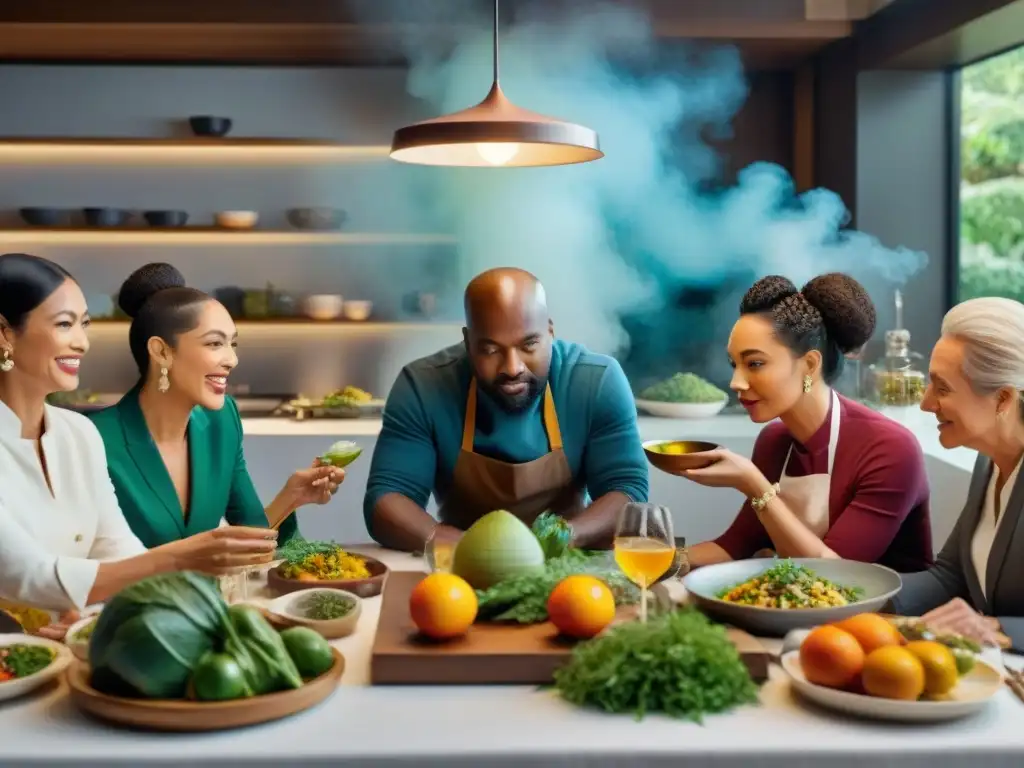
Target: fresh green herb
{"points": [[523, 599], [324, 606], [553, 533], [298, 549], [23, 659], [684, 388], [678, 663]]}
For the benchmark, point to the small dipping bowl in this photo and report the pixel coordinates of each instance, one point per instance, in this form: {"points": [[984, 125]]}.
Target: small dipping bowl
{"points": [[290, 609], [80, 646], [676, 456]]}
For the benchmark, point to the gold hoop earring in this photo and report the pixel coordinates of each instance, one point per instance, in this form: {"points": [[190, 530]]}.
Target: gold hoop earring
{"points": [[808, 383], [165, 383], [8, 364]]}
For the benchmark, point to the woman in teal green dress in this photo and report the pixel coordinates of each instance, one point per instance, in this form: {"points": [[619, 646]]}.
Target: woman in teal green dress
{"points": [[174, 442]]}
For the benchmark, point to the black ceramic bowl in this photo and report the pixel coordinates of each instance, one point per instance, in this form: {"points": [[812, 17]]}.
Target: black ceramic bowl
{"points": [[315, 218], [43, 217], [105, 217], [165, 218], [208, 125]]}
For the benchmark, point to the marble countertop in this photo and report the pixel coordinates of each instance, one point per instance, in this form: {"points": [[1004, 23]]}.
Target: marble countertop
{"points": [[415, 726]]}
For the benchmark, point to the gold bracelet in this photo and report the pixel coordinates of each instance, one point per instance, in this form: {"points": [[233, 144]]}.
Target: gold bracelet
{"points": [[760, 502]]}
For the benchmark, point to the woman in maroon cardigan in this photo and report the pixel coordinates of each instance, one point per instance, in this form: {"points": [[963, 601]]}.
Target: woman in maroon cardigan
{"points": [[830, 478]]}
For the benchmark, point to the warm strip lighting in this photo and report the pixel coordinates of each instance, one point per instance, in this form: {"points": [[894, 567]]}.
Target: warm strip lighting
{"points": [[301, 326], [200, 236], [174, 152]]}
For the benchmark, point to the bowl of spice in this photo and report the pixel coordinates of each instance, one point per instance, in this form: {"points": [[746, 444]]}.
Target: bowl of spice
{"points": [[333, 613]]}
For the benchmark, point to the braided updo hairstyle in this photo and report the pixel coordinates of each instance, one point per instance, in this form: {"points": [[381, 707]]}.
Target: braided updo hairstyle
{"points": [[160, 304], [832, 314]]}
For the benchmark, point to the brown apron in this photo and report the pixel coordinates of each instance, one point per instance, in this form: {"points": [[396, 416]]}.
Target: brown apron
{"points": [[481, 484]]}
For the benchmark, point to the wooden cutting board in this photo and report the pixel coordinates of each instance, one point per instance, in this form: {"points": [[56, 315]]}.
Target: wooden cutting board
{"points": [[488, 653]]}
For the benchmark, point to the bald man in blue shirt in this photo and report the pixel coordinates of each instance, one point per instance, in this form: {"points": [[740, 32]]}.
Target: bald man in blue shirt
{"points": [[510, 419]]}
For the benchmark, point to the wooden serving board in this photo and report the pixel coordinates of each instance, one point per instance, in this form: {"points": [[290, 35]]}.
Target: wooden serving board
{"points": [[489, 653]]}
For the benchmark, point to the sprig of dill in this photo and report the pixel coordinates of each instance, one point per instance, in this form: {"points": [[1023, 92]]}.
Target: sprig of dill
{"points": [[298, 549], [678, 663]]}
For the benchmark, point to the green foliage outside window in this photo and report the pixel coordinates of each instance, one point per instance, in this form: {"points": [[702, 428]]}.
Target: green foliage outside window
{"points": [[992, 178]]}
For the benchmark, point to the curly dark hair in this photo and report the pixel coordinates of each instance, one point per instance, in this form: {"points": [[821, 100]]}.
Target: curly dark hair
{"points": [[832, 314]]}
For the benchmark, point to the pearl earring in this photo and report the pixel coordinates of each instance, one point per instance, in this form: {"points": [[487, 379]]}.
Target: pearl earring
{"points": [[8, 364], [808, 383], [165, 383]]}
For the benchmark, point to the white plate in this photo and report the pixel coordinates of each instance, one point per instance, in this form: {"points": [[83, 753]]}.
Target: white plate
{"points": [[681, 410], [971, 694], [11, 689]]}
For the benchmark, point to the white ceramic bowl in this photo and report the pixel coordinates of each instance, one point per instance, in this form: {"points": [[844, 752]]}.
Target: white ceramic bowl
{"points": [[681, 410], [289, 607], [358, 310], [324, 306], [79, 647], [704, 585], [13, 688], [237, 219], [973, 692]]}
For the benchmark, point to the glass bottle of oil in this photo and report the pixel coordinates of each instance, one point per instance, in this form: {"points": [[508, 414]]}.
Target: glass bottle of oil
{"points": [[898, 378]]}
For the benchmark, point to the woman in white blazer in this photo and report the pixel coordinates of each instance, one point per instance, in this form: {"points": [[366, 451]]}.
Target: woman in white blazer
{"points": [[64, 543], [976, 392]]}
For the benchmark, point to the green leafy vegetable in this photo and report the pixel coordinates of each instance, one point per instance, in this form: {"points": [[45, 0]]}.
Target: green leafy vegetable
{"points": [[151, 635], [24, 659], [297, 549], [341, 454], [554, 534], [684, 388], [523, 599], [260, 652], [678, 663]]}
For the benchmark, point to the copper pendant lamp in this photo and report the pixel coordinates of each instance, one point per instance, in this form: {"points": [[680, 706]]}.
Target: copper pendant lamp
{"points": [[495, 133]]}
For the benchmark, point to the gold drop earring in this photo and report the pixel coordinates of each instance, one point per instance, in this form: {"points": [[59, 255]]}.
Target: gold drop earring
{"points": [[165, 383], [8, 364], [808, 383]]}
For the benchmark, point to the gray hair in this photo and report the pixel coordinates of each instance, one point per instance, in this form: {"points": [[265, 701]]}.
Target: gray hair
{"points": [[992, 330]]}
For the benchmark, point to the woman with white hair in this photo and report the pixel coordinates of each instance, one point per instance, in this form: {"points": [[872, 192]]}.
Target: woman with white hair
{"points": [[976, 587]]}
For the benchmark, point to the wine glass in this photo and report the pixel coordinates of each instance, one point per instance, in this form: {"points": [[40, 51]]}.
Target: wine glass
{"points": [[644, 546]]}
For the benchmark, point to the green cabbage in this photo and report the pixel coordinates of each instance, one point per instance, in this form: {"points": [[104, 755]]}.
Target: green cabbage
{"points": [[151, 635]]}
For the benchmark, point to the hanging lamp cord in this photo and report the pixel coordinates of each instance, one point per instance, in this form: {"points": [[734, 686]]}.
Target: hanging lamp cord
{"points": [[495, 40]]}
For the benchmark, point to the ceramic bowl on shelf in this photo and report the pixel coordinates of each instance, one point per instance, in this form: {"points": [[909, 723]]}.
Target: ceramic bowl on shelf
{"points": [[237, 219], [165, 218], [209, 125], [324, 306], [357, 310], [681, 410], [105, 217], [315, 218], [43, 217]]}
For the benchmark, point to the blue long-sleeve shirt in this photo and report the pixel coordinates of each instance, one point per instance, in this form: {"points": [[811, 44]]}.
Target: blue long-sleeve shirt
{"points": [[421, 438]]}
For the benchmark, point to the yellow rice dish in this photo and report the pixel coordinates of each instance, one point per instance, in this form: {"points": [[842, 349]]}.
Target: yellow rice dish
{"points": [[787, 585]]}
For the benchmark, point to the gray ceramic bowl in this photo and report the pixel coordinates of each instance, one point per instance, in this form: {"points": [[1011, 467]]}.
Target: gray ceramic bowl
{"points": [[879, 583]]}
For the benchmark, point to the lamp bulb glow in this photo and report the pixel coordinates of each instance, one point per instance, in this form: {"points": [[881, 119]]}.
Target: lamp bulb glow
{"points": [[498, 153]]}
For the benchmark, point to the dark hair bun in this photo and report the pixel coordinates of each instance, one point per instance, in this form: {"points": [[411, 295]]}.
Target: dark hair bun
{"points": [[845, 307], [766, 293], [144, 282]]}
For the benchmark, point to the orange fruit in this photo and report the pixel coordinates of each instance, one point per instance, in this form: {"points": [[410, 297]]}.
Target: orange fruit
{"points": [[831, 657], [871, 631], [581, 606], [940, 668], [443, 605], [893, 672]]}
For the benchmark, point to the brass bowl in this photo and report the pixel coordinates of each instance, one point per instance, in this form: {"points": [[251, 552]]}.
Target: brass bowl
{"points": [[685, 454]]}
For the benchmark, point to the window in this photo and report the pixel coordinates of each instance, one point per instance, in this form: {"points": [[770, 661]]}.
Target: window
{"points": [[992, 177]]}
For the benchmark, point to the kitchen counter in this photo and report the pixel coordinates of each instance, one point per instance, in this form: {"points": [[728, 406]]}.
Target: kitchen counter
{"points": [[418, 726]]}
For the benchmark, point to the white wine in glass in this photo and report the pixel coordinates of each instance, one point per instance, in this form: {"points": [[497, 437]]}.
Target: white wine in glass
{"points": [[644, 546]]}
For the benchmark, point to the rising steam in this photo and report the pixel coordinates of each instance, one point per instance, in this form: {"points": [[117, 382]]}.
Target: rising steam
{"points": [[617, 242]]}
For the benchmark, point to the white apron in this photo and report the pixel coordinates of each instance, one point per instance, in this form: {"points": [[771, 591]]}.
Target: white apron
{"points": [[807, 497]]}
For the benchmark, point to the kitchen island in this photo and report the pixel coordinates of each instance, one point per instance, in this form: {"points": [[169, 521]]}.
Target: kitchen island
{"points": [[424, 726], [276, 447]]}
